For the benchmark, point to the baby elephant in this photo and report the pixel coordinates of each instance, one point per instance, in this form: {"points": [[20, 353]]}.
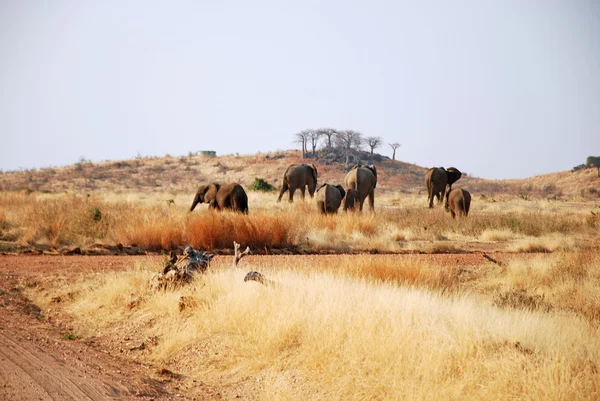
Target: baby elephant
{"points": [[351, 202], [329, 198], [458, 201]]}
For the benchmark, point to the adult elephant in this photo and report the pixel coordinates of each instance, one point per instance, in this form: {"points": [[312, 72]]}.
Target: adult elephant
{"points": [[329, 198], [436, 181], [458, 202], [219, 197], [299, 176], [364, 180]]}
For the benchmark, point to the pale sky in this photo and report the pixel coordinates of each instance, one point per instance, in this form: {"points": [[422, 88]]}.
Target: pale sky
{"points": [[499, 89]]}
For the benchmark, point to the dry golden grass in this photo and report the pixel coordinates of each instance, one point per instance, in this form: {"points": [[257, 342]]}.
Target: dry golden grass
{"points": [[364, 331], [400, 223]]}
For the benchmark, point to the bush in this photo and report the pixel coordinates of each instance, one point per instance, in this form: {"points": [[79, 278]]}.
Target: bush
{"points": [[261, 185], [209, 153], [579, 167]]}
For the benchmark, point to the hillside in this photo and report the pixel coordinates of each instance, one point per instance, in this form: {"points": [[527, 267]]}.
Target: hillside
{"points": [[183, 174]]}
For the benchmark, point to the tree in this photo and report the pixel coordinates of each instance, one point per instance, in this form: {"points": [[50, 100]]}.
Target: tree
{"points": [[348, 139], [314, 136], [301, 138], [329, 133], [394, 146], [594, 161], [373, 142]]}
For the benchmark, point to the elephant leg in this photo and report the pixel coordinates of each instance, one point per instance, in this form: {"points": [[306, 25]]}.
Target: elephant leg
{"points": [[284, 188], [430, 198], [291, 191], [372, 200], [362, 201], [443, 195], [303, 192], [321, 207]]}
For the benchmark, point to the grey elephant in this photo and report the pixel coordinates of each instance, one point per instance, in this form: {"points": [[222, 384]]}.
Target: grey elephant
{"points": [[436, 181], [329, 198], [364, 180], [299, 176], [351, 200], [219, 197], [458, 202]]}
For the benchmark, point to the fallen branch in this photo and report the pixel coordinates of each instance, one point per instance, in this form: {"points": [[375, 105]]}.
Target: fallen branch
{"points": [[237, 255], [488, 257]]}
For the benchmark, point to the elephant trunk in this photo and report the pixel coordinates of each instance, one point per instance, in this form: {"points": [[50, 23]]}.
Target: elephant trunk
{"points": [[196, 201]]}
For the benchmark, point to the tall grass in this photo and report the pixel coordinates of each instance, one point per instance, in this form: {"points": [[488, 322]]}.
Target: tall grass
{"points": [[152, 223], [347, 332]]}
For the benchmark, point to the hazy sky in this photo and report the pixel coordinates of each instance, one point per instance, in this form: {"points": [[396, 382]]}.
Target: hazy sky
{"points": [[499, 89]]}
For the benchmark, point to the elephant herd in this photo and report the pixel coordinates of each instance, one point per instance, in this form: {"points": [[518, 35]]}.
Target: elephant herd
{"points": [[359, 184]]}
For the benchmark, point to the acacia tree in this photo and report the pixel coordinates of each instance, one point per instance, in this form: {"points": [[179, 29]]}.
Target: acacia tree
{"points": [[594, 161], [314, 136], [373, 142], [394, 146], [302, 138]]}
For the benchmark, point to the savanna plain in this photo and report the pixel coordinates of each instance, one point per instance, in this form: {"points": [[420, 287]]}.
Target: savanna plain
{"points": [[402, 304]]}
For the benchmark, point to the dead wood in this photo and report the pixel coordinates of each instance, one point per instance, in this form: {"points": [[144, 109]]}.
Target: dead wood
{"points": [[237, 255], [180, 269], [488, 257]]}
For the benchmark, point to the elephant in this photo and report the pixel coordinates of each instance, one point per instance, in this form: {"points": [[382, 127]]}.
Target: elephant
{"points": [[364, 180], [298, 176], [458, 201], [436, 180], [351, 200], [219, 197], [329, 198]]}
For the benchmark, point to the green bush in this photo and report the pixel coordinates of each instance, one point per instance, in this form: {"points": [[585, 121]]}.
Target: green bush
{"points": [[209, 153], [261, 185]]}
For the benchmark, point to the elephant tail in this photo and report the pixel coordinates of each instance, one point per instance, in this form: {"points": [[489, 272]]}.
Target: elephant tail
{"points": [[314, 172]]}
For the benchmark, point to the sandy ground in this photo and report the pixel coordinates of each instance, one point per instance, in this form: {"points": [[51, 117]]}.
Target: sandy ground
{"points": [[38, 361]]}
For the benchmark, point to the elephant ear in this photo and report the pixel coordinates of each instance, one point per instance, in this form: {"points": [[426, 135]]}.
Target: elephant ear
{"points": [[314, 172], [374, 170], [453, 175], [341, 189], [211, 192]]}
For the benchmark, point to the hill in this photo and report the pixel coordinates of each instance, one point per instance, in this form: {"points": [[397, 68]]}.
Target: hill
{"points": [[185, 173]]}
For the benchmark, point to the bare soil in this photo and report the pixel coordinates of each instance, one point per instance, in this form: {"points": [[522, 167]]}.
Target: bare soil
{"points": [[40, 359]]}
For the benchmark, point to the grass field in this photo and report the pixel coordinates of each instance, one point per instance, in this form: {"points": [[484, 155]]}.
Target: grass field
{"points": [[358, 329], [401, 223]]}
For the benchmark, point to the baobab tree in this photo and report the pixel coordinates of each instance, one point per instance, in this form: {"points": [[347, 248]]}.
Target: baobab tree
{"points": [[302, 138], [394, 146], [348, 139], [314, 136], [329, 133], [373, 142]]}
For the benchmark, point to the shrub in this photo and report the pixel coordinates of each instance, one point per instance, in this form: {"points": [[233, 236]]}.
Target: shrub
{"points": [[209, 153], [261, 185]]}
